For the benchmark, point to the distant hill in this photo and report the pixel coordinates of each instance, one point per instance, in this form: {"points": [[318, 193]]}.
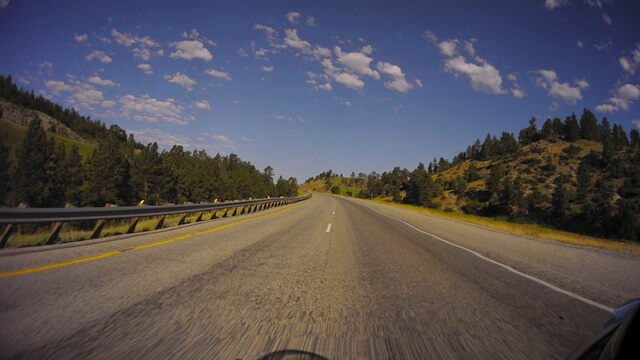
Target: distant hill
{"points": [[14, 120], [581, 176]]}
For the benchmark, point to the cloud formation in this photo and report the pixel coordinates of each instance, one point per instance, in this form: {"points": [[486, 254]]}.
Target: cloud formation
{"points": [[80, 38], [622, 98], [181, 79], [219, 74], [631, 63], [552, 4], [148, 109], [100, 56], [202, 105], [548, 80], [146, 68], [226, 142], [293, 17], [189, 50], [483, 76], [96, 80], [398, 81]]}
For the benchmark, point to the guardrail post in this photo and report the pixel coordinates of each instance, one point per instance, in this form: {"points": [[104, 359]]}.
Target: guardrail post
{"points": [[97, 229], [160, 223], [5, 235], [199, 218], [235, 211], [226, 212], [132, 225], [182, 219], [243, 211], [215, 215], [55, 230]]}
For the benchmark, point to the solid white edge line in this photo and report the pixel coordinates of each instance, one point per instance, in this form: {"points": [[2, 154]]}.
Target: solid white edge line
{"points": [[329, 227], [507, 267]]}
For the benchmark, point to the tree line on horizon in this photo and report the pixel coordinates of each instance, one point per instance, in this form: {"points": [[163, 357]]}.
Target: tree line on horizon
{"points": [[120, 171], [600, 196]]}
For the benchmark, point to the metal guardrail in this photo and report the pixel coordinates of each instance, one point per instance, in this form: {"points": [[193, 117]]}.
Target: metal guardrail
{"points": [[58, 216]]}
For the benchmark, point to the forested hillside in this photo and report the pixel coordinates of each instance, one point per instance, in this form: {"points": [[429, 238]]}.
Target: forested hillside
{"points": [[120, 171], [580, 175]]}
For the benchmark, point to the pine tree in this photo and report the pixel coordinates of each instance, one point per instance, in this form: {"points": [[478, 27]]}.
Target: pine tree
{"points": [[5, 174], [572, 129], [471, 174], [605, 129], [494, 185], [635, 138], [589, 129], [31, 168], [560, 200], [518, 202], [73, 173]]}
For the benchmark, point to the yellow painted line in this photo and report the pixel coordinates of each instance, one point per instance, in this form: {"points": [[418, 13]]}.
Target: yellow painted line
{"points": [[141, 247], [58, 265]]}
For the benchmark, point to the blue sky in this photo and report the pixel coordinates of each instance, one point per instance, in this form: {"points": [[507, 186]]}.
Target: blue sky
{"points": [[307, 86]]}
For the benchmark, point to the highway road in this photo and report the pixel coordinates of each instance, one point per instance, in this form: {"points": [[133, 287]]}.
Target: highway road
{"points": [[340, 277]]}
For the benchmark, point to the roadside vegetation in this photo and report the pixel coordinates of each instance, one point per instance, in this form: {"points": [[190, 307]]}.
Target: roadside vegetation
{"points": [[107, 166], [578, 176]]}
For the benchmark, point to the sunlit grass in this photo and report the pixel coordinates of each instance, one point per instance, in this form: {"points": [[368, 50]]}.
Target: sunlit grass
{"points": [[534, 230]]}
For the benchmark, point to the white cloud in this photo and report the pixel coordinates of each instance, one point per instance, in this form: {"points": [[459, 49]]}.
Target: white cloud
{"points": [[622, 98], [189, 50], [4, 3], [146, 108], [96, 80], [244, 138], [349, 80], [57, 87], [518, 93], [552, 4], [99, 55], [142, 43], [226, 142], [367, 50], [162, 138], [293, 40], [484, 77], [580, 44], [108, 104], [636, 122], [271, 34], [344, 102], [325, 87], [606, 18], [603, 45], [512, 77], [448, 48], [267, 68], [311, 21], [80, 93], [356, 62], [293, 17], [130, 39], [218, 74], [181, 79], [597, 3], [548, 80], [582, 83], [202, 105], [81, 37], [631, 64], [418, 82], [398, 82], [146, 68]]}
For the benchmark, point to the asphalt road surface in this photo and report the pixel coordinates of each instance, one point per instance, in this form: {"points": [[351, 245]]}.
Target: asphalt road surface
{"points": [[338, 277]]}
